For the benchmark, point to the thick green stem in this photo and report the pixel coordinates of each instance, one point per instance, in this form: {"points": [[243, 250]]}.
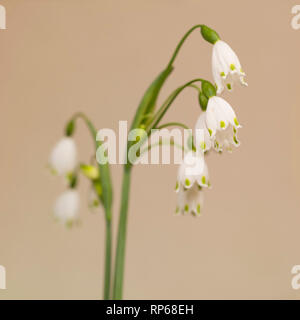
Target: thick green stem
{"points": [[120, 254]]}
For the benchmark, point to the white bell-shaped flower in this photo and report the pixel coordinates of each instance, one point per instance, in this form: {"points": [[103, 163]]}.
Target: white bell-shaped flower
{"points": [[226, 67], [202, 136], [190, 201], [222, 124], [63, 158], [193, 170], [66, 207]]}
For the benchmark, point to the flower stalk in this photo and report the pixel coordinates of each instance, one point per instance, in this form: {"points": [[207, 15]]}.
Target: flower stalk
{"points": [[121, 241], [105, 198], [145, 108]]}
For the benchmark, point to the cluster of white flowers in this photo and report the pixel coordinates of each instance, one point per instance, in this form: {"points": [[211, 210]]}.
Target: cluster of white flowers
{"points": [[63, 162], [218, 126]]}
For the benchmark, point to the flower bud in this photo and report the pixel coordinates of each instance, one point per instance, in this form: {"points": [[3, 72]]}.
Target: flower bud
{"points": [[202, 101], [90, 171], [209, 34], [70, 127], [208, 89]]}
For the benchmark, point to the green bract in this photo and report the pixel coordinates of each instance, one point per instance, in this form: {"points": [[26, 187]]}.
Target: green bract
{"points": [[208, 89], [203, 101], [70, 127], [209, 34]]}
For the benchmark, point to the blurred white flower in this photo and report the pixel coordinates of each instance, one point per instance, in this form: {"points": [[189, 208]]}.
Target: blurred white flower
{"points": [[190, 201], [193, 170], [66, 207], [203, 139], [222, 124], [226, 67], [63, 158]]}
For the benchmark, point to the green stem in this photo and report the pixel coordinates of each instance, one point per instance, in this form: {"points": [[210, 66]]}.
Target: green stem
{"points": [[181, 43], [106, 200], [165, 106], [107, 268], [120, 253]]}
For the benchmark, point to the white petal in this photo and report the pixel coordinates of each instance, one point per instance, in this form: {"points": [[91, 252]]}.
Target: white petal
{"points": [[217, 113], [211, 121], [226, 67], [217, 71], [227, 110], [193, 200], [63, 158], [230, 58], [202, 139], [191, 169], [203, 179], [224, 140], [66, 207]]}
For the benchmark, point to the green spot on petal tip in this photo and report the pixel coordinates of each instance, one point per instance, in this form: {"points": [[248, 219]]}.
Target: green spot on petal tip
{"points": [[222, 124], [187, 182], [235, 140]]}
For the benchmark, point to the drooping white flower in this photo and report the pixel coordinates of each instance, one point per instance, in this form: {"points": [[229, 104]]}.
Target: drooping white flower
{"points": [[192, 171], [226, 67], [190, 200], [63, 158], [202, 136], [66, 207], [222, 124]]}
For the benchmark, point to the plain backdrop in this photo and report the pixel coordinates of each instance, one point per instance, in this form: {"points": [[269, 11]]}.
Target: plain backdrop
{"points": [[61, 56]]}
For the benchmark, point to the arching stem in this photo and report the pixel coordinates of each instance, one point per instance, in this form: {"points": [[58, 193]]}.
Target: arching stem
{"points": [[106, 200]]}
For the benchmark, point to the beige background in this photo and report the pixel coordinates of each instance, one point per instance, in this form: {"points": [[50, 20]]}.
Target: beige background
{"points": [[61, 56]]}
